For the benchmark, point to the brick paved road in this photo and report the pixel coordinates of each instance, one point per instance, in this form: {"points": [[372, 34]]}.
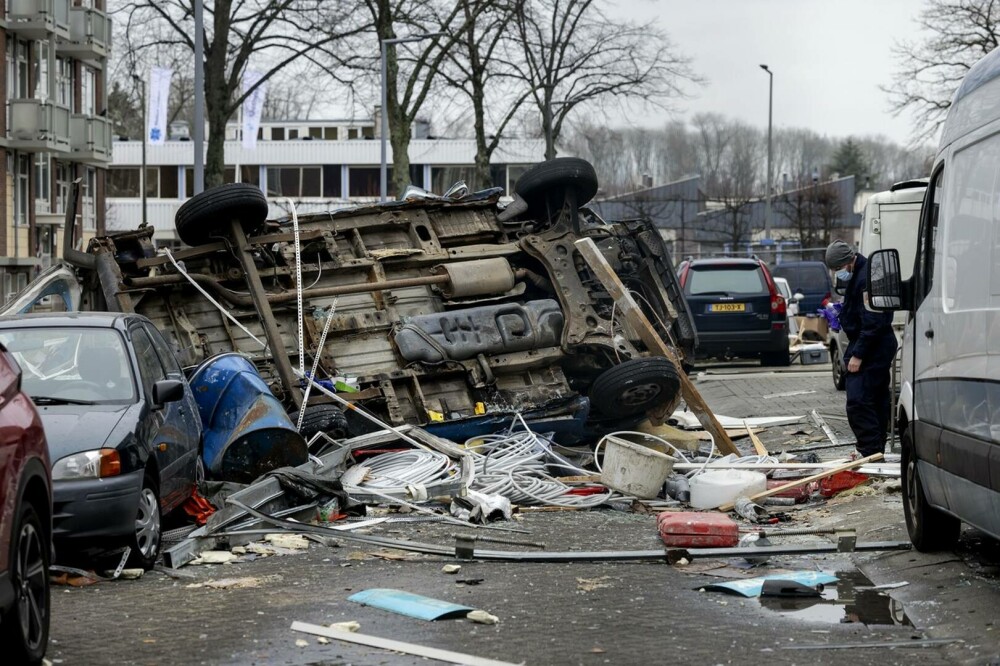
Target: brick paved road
{"points": [[647, 614]]}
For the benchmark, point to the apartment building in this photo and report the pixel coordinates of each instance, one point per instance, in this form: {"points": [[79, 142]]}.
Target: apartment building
{"points": [[54, 130], [319, 164]]}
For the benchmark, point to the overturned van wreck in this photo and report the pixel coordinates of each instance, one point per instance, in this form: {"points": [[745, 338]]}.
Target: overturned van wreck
{"points": [[453, 313]]}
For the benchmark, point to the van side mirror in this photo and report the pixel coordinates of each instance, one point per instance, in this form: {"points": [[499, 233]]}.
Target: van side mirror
{"points": [[886, 289], [167, 390], [798, 296]]}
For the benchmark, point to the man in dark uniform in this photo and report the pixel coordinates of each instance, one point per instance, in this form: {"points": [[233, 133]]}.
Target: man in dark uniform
{"points": [[869, 354]]}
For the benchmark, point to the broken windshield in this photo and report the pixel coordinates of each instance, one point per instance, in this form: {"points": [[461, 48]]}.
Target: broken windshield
{"points": [[72, 365]]}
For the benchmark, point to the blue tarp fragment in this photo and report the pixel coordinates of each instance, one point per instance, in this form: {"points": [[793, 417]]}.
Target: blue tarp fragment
{"points": [[750, 587], [409, 604]]}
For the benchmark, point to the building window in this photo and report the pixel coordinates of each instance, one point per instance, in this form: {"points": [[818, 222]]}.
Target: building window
{"points": [[249, 173], [168, 182], [43, 183], [315, 132], [331, 181], [352, 133], [293, 134], [368, 132], [21, 190], [22, 70], [64, 82], [330, 133], [88, 199], [63, 177], [444, 177], [41, 70], [123, 182], [366, 181], [88, 91], [277, 134], [295, 181]]}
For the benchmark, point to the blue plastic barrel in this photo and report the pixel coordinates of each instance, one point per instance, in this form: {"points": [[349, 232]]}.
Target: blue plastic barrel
{"points": [[246, 430]]}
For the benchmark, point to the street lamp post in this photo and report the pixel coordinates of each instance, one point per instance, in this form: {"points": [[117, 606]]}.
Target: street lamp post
{"points": [[770, 107], [384, 173], [145, 137]]}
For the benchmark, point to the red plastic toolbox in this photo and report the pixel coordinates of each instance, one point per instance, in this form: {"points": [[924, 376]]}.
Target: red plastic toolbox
{"points": [[689, 529]]}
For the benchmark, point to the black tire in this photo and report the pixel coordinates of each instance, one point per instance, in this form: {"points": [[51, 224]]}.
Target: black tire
{"points": [[322, 418], [146, 539], [208, 215], [930, 529], [839, 371], [557, 176], [24, 631], [635, 386], [781, 359]]}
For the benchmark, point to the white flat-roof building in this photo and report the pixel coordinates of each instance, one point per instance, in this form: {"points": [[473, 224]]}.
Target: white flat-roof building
{"points": [[320, 165]]}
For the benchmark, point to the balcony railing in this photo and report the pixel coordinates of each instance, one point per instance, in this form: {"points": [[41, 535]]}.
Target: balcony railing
{"points": [[37, 19], [89, 34], [90, 139], [37, 125]]}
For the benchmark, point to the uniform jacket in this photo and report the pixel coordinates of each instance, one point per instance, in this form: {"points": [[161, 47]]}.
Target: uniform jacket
{"points": [[870, 334]]}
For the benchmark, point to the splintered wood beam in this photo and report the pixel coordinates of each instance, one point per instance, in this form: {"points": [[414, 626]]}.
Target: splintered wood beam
{"points": [[637, 319]]}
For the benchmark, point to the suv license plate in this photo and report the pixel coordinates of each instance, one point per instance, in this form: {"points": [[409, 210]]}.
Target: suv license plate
{"points": [[727, 307]]}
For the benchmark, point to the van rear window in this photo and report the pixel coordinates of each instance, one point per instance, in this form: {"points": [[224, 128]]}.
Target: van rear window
{"points": [[721, 280], [804, 278]]}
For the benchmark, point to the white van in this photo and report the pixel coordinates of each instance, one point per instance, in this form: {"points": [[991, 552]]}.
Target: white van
{"points": [[949, 404], [890, 220]]}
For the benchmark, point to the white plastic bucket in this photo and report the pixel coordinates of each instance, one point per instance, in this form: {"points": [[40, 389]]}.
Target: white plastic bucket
{"points": [[713, 488], [633, 469]]}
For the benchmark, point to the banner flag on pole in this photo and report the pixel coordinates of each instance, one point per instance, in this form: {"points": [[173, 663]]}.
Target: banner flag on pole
{"points": [[253, 107], [159, 96]]}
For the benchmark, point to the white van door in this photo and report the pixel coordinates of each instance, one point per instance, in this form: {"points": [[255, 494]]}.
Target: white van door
{"points": [[926, 430]]}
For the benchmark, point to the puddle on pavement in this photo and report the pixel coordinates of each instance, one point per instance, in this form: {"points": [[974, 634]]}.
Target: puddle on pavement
{"points": [[849, 600]]}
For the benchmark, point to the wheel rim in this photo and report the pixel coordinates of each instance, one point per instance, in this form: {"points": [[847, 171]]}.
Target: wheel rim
{"points": [[911, 489], [640, 394], [147, 523], [31, 584]]}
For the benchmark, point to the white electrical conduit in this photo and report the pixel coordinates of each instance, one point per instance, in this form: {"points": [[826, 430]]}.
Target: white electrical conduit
{"points": [[224, 311], [319, 355]]}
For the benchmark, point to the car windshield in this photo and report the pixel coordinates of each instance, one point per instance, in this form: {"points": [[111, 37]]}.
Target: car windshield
{"points": [[725, 280], [72, 365], [804, 278]]}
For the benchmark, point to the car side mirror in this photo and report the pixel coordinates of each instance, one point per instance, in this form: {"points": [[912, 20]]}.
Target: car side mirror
{"points": [[167, 390], [886, 289], [798, 296]]}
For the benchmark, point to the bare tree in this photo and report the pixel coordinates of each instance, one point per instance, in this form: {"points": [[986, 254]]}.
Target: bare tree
{"points": [[266, 34], [481, 68], [738, 183], [407, 89], [576, 54], [959, 33]]}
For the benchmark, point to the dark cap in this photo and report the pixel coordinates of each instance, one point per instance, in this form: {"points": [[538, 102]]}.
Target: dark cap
{"points": [[838, 254]]}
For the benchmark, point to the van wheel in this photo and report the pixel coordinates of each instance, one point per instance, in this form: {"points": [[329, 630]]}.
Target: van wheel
{"points": [[839, 371], [327, 419], [208, 215], [24, 632], [635, 386], [930, 529]]}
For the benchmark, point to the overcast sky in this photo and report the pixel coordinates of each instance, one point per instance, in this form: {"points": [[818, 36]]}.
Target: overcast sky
{"points": [[828, 57]]}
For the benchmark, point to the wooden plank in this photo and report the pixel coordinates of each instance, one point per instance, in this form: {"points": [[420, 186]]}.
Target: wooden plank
{"points": [[633, 314], [398, 646], [757, 444], [808, 479]]}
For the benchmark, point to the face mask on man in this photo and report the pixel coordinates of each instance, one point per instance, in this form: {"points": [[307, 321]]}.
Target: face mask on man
{"points": [[844, 275]]}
